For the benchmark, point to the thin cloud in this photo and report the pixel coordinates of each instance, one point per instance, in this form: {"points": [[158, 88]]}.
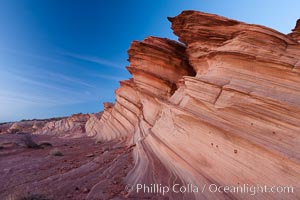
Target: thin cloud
{"points": [[26, 101], [46, 75], [52, 76], [22, 78], [108, 77], [22, 98], [65, 78], [93, 59], [34, 56], [43, 74], [56, 94]]}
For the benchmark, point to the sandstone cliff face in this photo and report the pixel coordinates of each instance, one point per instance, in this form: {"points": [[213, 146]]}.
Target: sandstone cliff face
{"points": [[222, 108]]}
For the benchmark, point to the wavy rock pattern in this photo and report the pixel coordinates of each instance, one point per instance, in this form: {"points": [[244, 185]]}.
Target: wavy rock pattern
{"points": [[224, 108], [25, 126], [76, 125], [73, 126], [92, 124]]}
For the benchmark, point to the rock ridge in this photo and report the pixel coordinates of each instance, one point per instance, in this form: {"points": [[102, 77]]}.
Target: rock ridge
{"points": [[222, 107]]}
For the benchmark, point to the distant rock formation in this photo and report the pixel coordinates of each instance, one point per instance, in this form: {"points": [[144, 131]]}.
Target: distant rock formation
{"points": [[24, 126], [76, 125], [73, 126], [222, 108]]}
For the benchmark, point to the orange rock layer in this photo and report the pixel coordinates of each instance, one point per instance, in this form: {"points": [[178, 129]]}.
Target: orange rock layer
{"points": [[222, 108]]}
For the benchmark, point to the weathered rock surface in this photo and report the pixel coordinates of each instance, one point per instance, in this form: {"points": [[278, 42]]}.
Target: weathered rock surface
{"points": [[295, 34], [76, 125], [73, 126], [222, 108], [92, 124], [25, 126]]}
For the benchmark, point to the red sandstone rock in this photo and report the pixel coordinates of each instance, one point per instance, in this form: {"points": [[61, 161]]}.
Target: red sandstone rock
{"points": [[92, 124], [76, 125], [73, 126], [296, 31], [224, 108]]}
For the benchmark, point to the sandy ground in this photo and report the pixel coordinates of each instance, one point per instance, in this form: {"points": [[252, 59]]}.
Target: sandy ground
{"points": [[85, 170]]}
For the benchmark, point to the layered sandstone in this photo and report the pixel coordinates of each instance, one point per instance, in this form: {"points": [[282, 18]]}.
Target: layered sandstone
{"points": [[222, 108], [92, 124], [73, 126], [25, 126], [76, 125], [295, 34]]}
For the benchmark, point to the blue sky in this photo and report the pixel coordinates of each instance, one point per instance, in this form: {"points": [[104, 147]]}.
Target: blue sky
{"points": [[60, 57]]}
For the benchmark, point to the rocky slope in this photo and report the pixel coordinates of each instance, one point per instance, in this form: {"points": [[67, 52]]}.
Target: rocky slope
{"points": [[222, 108], [80, 166]]}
